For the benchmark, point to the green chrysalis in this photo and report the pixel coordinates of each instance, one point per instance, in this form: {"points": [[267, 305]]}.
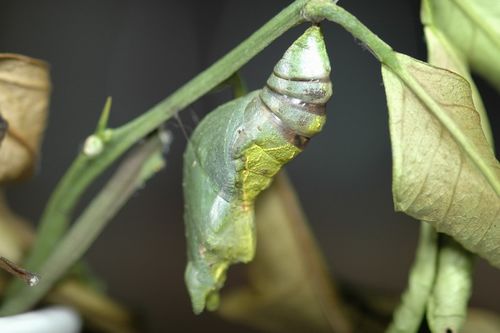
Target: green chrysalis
{"points": [[235, 152]]}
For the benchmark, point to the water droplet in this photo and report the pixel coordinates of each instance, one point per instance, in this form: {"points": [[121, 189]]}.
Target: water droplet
{"points": [[33, 280]]}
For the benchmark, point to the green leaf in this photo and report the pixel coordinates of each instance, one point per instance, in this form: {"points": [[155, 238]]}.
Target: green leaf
{"points": [[474, 28], [444, 171], [408, 316], [289, 289], [447, 307]]}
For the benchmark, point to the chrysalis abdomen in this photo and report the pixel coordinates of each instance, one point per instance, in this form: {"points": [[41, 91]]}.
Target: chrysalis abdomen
{"points": [[235, 152]]}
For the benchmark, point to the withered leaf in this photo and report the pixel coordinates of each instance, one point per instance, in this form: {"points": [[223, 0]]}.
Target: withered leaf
{"points": [[289, 289], [444, 170], [442, 53], [24, 100]]}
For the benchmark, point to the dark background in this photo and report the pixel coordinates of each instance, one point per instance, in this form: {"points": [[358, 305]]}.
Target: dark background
{"points": [[141, 51]]}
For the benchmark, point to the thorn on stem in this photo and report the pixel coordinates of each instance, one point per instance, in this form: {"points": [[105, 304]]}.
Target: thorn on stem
{"points": [[31, 279]]}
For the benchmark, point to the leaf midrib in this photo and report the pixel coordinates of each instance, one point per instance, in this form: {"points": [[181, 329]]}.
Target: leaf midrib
{"points": [[455, 131]]}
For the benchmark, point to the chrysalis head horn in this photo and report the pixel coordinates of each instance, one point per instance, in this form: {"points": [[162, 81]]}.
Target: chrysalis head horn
{"points": [[299, 87], [306, 59]]}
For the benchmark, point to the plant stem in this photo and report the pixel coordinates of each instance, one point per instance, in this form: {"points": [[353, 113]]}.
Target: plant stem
{"points": [[134, 171], [330, 11], [84, 170]]}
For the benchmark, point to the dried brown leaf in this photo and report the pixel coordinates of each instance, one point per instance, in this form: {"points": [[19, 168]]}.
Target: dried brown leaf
{"points": [[442, 53], [24, 100]]}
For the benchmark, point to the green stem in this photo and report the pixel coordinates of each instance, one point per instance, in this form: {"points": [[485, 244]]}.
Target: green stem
{"points": [[84, 170], [328, 10], [134, 171]]}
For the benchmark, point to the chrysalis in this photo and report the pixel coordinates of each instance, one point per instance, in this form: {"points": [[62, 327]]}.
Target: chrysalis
{"points": [[234, 154]]}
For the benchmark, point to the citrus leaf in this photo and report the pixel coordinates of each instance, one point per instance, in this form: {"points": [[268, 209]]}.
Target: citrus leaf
{"points": [[289, 289], [474, 28], [442, 53], [444, 171], [408, 316], [24, 99], [447, 306]]}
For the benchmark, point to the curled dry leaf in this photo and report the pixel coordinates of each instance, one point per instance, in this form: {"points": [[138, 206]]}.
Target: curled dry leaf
{"points": [[444, 170], [289, 289], [24, 100], [474, 29], [442, 53]]}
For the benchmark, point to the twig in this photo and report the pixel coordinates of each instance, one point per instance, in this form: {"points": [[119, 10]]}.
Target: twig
{"points": [[135, 170]]}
